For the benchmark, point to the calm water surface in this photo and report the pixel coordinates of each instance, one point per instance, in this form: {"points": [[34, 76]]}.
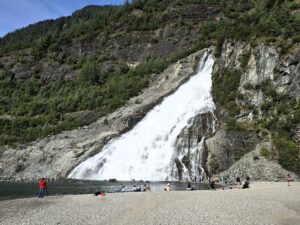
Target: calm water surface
{"points": [[10, 190]]}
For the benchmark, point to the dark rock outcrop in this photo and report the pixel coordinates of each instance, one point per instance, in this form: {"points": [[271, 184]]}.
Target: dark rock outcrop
{"points": [[190, 159]]}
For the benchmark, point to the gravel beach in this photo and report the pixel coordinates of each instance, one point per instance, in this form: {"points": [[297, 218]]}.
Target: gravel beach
{"points": [[263, 204]]}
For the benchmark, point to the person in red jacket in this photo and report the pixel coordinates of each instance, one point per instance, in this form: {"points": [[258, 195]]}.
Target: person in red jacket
{"points": [[43, 186]]}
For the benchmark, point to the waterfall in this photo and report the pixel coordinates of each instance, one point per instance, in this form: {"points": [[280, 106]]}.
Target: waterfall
{"points": [[147, 151]]}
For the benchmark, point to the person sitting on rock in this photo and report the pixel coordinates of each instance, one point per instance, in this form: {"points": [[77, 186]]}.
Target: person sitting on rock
{"points": [[189, 187], [100, 194], [247, 183], [137, 188], [147, 187], [168, 187]]}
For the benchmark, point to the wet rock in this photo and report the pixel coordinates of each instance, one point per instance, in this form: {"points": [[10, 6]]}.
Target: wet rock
{"points": [[190, 150]]}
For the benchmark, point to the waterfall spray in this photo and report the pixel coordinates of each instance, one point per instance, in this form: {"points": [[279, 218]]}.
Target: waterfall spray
{"points": [[147, 151]]}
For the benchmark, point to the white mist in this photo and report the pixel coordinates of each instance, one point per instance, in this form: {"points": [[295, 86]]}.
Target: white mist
{"points": [[147, 151]]}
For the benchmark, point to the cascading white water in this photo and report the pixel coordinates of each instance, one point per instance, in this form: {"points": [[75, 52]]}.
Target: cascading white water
{"points": [[146, 152], [190, 148]]}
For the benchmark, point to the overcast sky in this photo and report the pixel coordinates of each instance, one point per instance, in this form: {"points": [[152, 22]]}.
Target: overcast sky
{"points": [[16, 14]]}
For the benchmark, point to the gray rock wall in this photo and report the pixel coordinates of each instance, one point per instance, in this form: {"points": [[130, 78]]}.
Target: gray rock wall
{"points": [[257, 64], [258, 168]]}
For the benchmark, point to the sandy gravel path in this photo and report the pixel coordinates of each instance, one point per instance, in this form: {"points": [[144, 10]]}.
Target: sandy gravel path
{"points": [[263, 204]]}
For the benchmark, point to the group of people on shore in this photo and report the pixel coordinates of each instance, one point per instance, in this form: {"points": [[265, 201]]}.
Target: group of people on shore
{"points": [[245, 185], [146, 187], [223, 181]]}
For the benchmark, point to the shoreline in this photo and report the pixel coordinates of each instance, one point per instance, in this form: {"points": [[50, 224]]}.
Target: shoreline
{"points": [[17, 190], [266, 203], [257, 184]]}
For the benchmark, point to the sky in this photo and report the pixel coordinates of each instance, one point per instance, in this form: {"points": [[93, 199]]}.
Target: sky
{"points": [[16, 14]]}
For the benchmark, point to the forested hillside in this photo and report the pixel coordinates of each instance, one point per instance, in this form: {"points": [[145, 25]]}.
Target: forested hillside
{"points": [[60, 74]]}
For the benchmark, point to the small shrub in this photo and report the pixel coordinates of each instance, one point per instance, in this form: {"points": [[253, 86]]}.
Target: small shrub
{"points": [[265, 133], [264, 152], [244, 59], [255, 158], [288, 153], [89, 73], [214, 165], [265, 106], [296, 39], [238, 154], [231, 125]]}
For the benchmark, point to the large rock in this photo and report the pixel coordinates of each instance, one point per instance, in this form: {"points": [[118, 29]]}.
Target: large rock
{"points": [[261, 64], [258, 168], [225, 148]]}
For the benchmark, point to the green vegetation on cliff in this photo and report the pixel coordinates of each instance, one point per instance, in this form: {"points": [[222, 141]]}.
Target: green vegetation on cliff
{"points": [[275, 23], [60, 74]]}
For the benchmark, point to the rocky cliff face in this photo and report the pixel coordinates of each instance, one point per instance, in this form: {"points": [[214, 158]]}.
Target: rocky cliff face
{"points": [[54, 156], [266, 98]]}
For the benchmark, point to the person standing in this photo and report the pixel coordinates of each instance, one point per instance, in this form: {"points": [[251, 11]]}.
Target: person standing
{"points": [[43, 186], [212, 185], [222, 180], [238, 182], [289, 179]]}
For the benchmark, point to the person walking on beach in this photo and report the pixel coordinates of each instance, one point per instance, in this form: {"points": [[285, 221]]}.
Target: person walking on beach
{"points": [[289, 179], [43, 186]]}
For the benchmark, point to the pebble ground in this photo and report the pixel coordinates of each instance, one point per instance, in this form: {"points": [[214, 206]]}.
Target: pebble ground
{"points": [[262, 204]]}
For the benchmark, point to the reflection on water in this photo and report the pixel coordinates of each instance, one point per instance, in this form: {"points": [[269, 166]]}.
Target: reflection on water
{"points": [[9, 190]]}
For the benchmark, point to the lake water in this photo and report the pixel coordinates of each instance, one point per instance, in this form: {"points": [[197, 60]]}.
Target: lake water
{"points": [[10, 190]]}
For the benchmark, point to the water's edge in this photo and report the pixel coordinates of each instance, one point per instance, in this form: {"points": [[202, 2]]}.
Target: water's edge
{"points": [[16, 190]]}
